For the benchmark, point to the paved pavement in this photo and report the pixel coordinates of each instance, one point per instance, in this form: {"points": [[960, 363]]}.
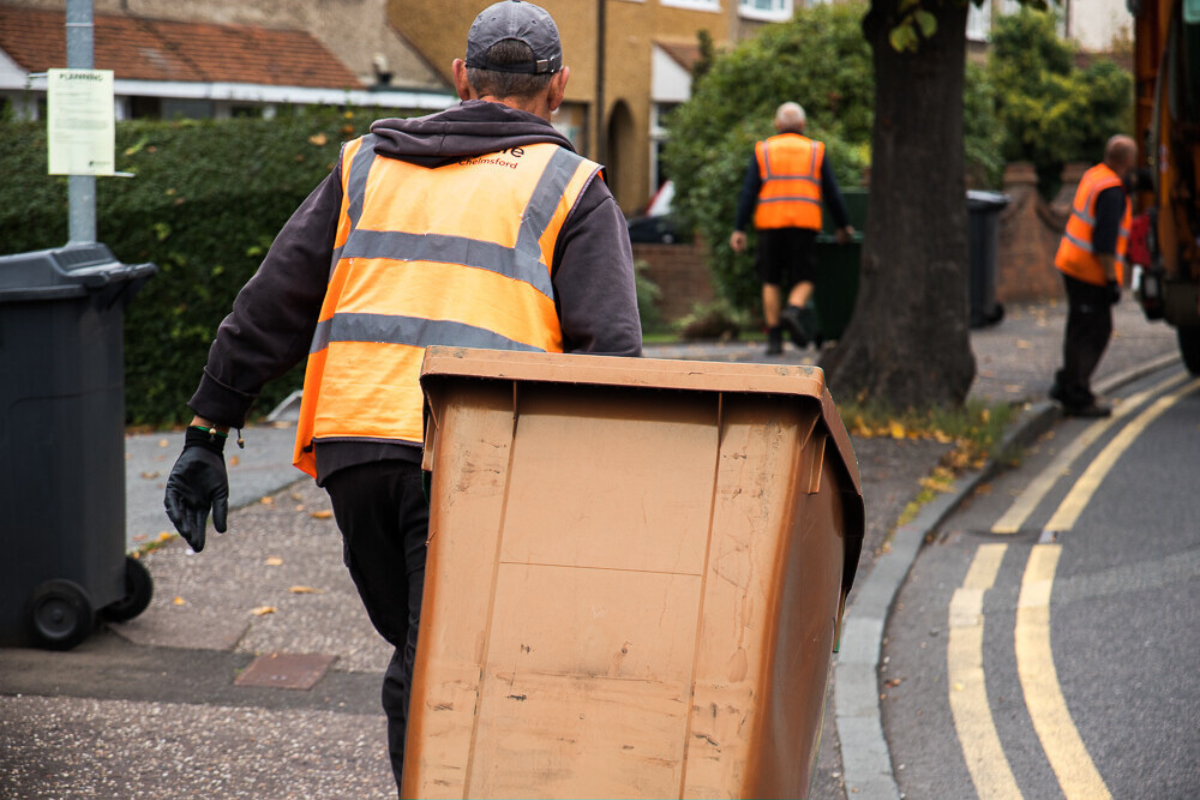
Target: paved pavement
{"points": [[275, 584]]}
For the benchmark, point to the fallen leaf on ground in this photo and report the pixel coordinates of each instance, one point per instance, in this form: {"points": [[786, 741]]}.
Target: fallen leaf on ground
{"points": [[179, 601], [164, 536], [163, 443], [266, 501], [234, 461], [262, 611], [324, 514], [300, 506], [305, 590], [896, 430], [140, 537], [1023, 344], [297, 496], [274, 561], [150, 475], [129, 456]]}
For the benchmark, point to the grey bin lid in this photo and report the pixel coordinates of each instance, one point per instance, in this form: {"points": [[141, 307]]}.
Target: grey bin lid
{"points": [[71, 271], [986, 201]]}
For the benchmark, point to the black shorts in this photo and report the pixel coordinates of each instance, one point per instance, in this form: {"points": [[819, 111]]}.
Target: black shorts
{"points": [[786, 256]]}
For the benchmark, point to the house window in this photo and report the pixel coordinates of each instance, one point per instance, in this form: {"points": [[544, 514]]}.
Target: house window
{"points": [[659, 112], [695, 5], [771, 10], [979, 21]]}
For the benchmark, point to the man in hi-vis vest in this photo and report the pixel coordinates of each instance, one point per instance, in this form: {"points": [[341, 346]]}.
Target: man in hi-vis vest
{"points": [[1091, 257], [786, 181], [478, 226]]}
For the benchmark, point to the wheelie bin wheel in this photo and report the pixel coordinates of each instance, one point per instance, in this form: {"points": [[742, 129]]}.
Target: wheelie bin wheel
{"points": [[60, 615], [139, 588]]}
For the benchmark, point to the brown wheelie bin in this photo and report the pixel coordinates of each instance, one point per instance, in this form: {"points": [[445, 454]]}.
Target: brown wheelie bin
{"points": [[637, 570]]}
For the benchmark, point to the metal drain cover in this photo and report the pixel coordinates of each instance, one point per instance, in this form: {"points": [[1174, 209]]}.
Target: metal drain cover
{"points": [[285, 670]]}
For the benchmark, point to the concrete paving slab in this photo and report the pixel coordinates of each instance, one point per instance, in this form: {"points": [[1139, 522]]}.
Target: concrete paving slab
{"points": [[162, 626]]}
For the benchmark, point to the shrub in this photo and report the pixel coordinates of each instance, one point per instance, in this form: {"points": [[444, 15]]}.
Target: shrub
{"points": [[206, 203], [1052, 111]]}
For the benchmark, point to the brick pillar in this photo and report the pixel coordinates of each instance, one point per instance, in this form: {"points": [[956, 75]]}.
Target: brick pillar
{"points": [[1029, 234]]}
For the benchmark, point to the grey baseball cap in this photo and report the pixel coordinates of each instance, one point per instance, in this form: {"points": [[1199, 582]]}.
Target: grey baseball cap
{"points": [[524, 22]]}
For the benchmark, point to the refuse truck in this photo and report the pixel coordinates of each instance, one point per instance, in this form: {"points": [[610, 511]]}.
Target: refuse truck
{"points": [[1167, 74]]}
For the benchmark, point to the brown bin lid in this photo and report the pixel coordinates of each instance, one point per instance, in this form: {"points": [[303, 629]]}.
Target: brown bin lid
{"points": [[807, 384], [646, 373]]}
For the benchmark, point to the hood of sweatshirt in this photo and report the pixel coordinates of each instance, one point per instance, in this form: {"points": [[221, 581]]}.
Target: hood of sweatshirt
{"points": [[471, 128]]}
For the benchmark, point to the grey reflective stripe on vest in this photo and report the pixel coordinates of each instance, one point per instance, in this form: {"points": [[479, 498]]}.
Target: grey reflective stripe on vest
{"points": [[1087, 246], [789, 200], [517, 263], [522, 262], [812, 168], [414, 331], [1080, 243], [544, 201], [360, 170]]}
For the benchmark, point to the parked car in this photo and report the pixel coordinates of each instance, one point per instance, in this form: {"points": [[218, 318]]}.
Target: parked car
{"points": [[656, 224]]}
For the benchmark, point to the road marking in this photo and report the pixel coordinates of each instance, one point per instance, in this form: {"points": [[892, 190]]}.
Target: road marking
{"points": [[1077, 499], [1036, 491], [989, 768], [1077, 775]]}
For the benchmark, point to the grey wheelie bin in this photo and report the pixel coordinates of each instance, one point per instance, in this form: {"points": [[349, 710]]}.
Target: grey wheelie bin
{"points": [[62, 445], [983, 213]]}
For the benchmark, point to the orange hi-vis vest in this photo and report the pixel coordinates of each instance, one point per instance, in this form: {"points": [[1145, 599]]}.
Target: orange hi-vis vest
{"points": [[1075, 256], [790, 167], [455, 255]]}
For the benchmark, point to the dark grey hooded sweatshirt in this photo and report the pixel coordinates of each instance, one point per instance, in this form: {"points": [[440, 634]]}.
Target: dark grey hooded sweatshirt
{"points": [[274, 316]]}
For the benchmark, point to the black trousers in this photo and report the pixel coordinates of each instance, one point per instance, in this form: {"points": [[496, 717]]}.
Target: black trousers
{"points": [[1089, 327], [383, 514]]}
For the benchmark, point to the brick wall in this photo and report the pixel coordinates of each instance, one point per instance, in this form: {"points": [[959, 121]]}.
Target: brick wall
{"points": [[1030, 229], [682, 274]]}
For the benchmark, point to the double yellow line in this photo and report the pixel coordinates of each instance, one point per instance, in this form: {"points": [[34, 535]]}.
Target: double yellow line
{"points": [[1073, 767]]}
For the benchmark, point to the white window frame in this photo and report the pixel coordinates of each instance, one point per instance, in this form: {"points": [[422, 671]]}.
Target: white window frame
{"points": [[979, 22], [782, 14], [694, 5]]}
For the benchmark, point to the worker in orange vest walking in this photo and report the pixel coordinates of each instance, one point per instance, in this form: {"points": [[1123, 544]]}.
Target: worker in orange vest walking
{"points": [[478, 226], [786, 182], [1091, 257]]}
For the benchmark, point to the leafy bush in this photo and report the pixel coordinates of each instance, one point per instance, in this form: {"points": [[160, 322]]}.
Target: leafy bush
{"points": [[1052, 111], [206, 203], [648, 295], [983, 136]]}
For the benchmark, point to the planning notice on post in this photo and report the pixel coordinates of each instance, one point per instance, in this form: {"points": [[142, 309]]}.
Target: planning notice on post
{"points": [[81, 123]]}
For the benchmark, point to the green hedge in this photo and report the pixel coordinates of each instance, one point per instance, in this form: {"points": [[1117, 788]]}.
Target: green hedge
{"points": [[205, 205]]}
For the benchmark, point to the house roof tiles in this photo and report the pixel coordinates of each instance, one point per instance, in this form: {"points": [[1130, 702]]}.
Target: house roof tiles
{"points": [[159, 50]]}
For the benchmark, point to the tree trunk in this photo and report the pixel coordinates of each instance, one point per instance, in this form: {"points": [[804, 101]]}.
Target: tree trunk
{"points": [[908, 343]]}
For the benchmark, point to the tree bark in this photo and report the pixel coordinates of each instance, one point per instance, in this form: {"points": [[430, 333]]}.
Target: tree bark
{"points": [[908, 343]]}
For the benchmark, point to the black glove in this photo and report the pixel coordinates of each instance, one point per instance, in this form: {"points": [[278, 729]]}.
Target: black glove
{"points": [[198, 482], [1114, 292]]}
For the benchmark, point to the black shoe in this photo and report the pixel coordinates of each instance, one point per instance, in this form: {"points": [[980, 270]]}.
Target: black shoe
{"points": [[793, 322], [1090, 411], [1056, 393], [775, 341]]}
